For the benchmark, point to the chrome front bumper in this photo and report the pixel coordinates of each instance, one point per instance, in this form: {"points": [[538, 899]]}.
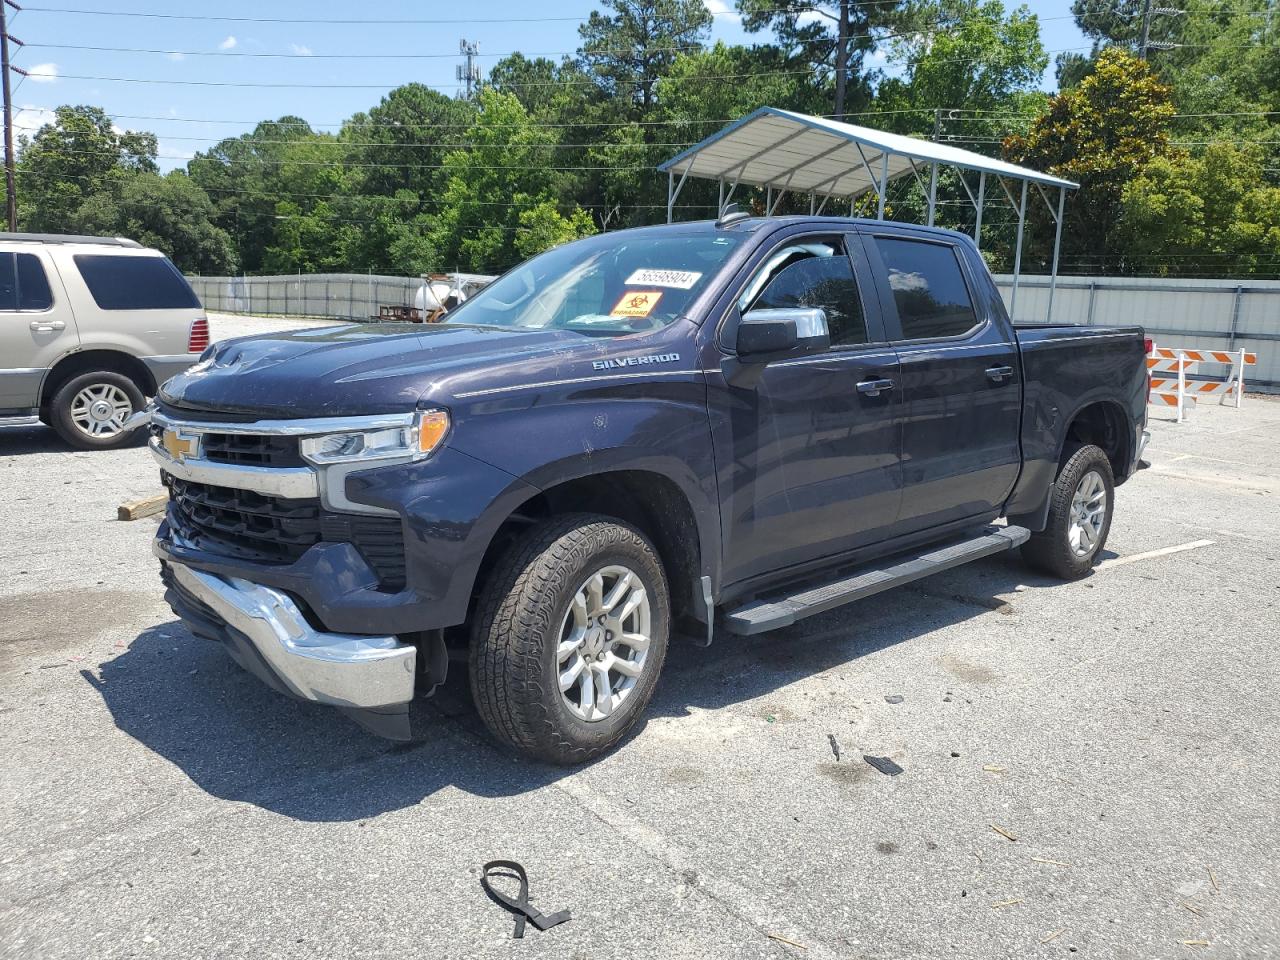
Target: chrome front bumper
{"points": [[338, 669]]}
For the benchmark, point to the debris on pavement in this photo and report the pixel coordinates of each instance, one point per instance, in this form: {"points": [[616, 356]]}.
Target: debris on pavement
{"points": [[520, 906], [1213, 879], [993, 768], [883, 764], [1004, 833], [1056, 863], [781, 939], [835, 747], [147, 507], [894, 698], [1054, 935], [1006, 903]]}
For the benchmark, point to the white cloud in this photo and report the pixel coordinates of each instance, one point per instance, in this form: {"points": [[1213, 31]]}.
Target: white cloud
{"points": [[228, 43], [43, 73], [30, 119], [720, 8], [173, 153], [176, 56], [300, 49]]}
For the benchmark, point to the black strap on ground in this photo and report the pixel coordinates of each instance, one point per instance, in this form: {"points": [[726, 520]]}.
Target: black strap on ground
{"points": [[520, 907]]}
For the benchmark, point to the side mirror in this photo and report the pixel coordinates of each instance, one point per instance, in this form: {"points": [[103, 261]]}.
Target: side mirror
{"points": [[765, 335]]}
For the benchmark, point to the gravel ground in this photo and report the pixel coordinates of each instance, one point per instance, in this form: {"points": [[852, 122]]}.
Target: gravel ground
{"points": [[161, 803]]}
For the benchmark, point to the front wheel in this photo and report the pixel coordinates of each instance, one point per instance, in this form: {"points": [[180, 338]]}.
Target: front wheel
{"points": [[569, 638], [1080, 509]]}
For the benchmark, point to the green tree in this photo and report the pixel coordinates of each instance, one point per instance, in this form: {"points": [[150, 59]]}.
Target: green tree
{"points": [[977, 57], [1210, 215], [169, 213], [501, 173], [76, 155], [633, 44], [832, 37], [1102, 134], [542, 227]]}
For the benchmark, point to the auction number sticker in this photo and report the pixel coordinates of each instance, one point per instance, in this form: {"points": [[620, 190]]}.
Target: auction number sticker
{"points": [[636, 303], [679, 279]]}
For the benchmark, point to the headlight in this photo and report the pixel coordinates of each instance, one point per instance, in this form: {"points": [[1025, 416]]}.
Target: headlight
{"points": [[413, 441]]}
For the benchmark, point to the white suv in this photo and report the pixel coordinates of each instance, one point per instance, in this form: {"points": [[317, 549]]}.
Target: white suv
{"points": [[89, 327]]}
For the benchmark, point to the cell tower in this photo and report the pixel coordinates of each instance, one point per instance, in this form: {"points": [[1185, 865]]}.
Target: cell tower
{"points": [[469, 72]]}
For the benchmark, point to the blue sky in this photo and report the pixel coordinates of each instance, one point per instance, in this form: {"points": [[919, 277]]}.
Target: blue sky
{"points": [[187, 116]]}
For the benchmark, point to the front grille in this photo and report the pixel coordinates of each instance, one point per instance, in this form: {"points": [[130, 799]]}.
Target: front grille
{"points": [[265, 529], [251, 449]]}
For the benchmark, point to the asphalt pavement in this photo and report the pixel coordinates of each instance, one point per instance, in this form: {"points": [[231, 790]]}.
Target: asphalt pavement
{"points": [[1088, 769]]}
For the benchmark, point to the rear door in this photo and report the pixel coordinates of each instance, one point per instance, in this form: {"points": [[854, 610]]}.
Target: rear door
{"points": [[959, 375], [808, 462], [36, 325]]}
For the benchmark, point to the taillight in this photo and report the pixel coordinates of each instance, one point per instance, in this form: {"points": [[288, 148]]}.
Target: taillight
{"points": [[199, 338]]}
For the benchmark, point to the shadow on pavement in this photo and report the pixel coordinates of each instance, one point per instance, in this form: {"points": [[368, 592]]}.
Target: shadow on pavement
{"points": [[184, 698]]}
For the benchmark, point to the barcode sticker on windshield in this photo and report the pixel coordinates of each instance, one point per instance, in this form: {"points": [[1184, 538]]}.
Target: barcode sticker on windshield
{"points": [[680, 279]]}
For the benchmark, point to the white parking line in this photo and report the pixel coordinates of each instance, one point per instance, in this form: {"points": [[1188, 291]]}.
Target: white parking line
{"points": [[1162, 552]]}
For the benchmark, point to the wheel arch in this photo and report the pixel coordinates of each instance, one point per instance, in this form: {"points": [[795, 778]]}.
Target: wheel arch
{"points": [[89, 361], [1105, 424], [650, 501]]}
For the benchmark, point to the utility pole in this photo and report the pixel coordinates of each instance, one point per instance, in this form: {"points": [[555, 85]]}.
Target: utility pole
{"points": [[1146, 29], [842, 59], [10, 191], [937, 124], [468, 73]]}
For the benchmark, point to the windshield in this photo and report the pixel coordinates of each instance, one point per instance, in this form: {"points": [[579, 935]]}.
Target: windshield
{"points": [[612, 284]]}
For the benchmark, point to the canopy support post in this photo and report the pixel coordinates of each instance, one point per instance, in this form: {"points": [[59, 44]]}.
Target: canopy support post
{"points": [[933, 190], [719, 202], [884, 183], [671, 197], [1017, 255], [982, 196], [1057, 246]]}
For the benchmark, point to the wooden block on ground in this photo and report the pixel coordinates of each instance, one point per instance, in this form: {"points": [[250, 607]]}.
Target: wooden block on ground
{"points": [[138, 509]]}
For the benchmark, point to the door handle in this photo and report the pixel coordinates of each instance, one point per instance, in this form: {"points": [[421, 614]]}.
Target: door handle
{"points": [[999, 374], [47, 326], [873, 388]]}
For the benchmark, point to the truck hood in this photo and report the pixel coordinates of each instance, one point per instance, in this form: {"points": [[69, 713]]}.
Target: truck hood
{"points": [[359, 369]]}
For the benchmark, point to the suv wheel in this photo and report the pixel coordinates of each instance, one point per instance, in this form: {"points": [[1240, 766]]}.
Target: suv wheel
{"points": [[569, 638], [1079, 517], [89, 411]]}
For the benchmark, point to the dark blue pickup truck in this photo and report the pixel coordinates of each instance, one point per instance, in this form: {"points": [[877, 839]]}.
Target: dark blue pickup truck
{"points": [[689, 430]]}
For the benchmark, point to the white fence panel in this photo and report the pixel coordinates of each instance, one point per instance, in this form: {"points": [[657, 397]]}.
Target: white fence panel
{"points": [[1195, 314]]}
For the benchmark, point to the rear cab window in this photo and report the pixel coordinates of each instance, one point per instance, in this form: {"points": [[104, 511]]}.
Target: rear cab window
{"points": [[23, 283], [121, 282], [929, 288]]}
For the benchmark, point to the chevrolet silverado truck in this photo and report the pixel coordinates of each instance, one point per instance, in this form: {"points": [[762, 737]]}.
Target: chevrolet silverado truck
{"points": [[689, 430]]}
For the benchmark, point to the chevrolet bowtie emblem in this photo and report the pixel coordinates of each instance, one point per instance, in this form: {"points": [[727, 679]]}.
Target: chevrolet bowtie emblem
{"points": [[179, 446]]}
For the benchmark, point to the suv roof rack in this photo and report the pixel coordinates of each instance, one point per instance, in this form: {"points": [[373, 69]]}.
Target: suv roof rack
{"points": [[70, 238]]}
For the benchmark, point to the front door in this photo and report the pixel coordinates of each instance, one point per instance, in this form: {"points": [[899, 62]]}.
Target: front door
{"points": [[960, 379], [36, 328], [807, 460]]}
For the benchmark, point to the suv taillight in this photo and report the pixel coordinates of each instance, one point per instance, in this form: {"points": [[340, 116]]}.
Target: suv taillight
{"points": [[199, 338]]}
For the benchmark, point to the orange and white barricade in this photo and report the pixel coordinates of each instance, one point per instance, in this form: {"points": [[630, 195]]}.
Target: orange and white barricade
{"points": [[1168, 368]]}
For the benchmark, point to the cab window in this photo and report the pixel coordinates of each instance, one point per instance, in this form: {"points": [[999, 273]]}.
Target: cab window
{"points": [[813, 273], [928, 287]]}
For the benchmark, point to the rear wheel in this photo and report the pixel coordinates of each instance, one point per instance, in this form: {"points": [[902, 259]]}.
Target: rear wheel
{"points": [[89, 411], [569, 638], [1079, 516]]}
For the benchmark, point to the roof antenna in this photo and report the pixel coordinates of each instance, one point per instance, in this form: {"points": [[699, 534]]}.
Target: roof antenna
{"points": [[732, 214]]}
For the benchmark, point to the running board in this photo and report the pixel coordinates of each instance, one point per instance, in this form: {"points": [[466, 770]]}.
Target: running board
{"points": [[761, 615]]}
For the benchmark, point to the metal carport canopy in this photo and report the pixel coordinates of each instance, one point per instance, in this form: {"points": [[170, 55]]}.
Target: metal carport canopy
{"points": [[787, 152]]}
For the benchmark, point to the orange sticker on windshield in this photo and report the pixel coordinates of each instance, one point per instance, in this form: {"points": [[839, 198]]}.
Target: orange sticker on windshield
{"points": [[636, 303]]}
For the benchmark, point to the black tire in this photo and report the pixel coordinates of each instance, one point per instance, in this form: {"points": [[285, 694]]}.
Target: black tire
{"points": [[63, 420], [516, 632], [1053, 551]]}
